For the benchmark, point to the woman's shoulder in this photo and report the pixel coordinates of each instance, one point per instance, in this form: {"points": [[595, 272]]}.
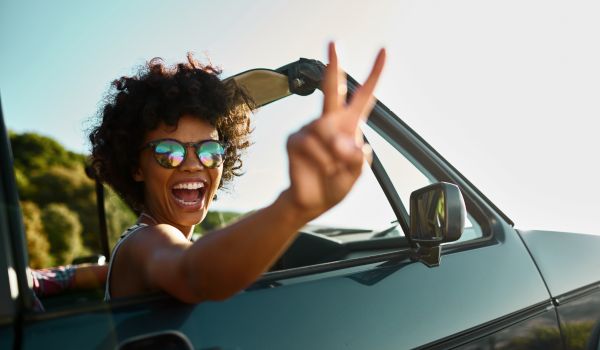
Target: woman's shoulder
{"points": [[142, 235]]}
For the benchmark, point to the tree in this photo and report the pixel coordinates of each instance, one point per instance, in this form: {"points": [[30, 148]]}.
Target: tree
{"points": [[47, 173], [118, 215], [64, 232], [23, 184], [33, 152], [37, 241], [75, 190]]}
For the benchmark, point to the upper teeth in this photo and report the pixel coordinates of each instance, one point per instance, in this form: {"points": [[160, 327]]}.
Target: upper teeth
{"points": [[189, 185]]}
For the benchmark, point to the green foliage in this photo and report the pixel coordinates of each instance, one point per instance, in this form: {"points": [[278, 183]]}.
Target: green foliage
{"points": [[37, 242], [547, 338], [215, 220], [36, 152], [59, 184], [577, 334], [22, 182], [542, 338], [64, 232], [119, 216], [73, 188], [47, 174]]}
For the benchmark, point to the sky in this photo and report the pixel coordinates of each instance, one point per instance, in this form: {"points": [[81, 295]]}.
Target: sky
{"points": [[507, 91]]}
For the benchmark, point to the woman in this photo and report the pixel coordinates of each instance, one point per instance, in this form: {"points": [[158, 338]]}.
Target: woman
{"points": [[169, 138]]}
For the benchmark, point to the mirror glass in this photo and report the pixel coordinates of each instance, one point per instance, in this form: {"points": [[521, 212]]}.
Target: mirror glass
{"points": [[430, 220]]}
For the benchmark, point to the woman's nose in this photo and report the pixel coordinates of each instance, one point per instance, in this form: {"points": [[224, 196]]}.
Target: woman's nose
{"points": [[191, 161]]}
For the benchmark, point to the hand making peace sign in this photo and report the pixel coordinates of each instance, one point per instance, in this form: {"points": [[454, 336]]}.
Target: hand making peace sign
{"points": [[325, 156]]}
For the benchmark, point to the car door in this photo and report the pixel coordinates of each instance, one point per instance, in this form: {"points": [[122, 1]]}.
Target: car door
{"points": [[486, 292], [569, 263]]}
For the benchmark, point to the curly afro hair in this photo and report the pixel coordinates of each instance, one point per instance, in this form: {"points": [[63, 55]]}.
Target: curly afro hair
{"points": [[157, 95]]}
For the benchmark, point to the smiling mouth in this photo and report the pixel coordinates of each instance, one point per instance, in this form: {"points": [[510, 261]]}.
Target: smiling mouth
{"points": [[189, 194]]}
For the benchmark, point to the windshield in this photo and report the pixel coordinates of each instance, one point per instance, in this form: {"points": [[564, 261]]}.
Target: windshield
{"points": [[363, 212]]}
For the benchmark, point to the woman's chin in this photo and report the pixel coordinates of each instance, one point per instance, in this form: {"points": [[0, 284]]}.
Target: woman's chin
{"points": [[188, 214], [188, 219]]}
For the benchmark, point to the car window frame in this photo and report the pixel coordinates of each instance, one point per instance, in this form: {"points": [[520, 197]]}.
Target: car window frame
{"points": [[399, 134], [16, 257], [484, 212]]}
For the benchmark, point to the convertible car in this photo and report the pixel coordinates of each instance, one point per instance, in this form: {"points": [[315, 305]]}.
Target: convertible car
{"points": [[415, 257]]}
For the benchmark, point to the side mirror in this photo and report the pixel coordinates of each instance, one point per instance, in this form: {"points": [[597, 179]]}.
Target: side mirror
{"points": [[437, 215]]}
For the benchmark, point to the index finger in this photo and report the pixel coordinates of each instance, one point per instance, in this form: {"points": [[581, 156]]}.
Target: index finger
{"points": [[334, 83]]}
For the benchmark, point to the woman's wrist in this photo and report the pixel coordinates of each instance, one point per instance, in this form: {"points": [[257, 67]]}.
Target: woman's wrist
{"points": [[293, 212]]}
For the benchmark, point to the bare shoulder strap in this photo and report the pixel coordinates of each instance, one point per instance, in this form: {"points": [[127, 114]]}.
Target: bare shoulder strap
{"points": [[128, 233]]}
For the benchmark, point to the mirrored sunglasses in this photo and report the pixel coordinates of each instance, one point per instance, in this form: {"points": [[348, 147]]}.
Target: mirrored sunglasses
{"points": [[171, 153]]}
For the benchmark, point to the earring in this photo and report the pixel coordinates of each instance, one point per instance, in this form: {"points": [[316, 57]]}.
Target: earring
{"points": [[215, 197]]}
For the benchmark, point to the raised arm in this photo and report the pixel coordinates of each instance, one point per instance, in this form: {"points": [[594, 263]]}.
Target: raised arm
{"points": [[325, 160]]}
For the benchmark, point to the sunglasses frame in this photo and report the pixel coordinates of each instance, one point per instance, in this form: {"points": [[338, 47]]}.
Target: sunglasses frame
{"points": [[196, 145]]}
